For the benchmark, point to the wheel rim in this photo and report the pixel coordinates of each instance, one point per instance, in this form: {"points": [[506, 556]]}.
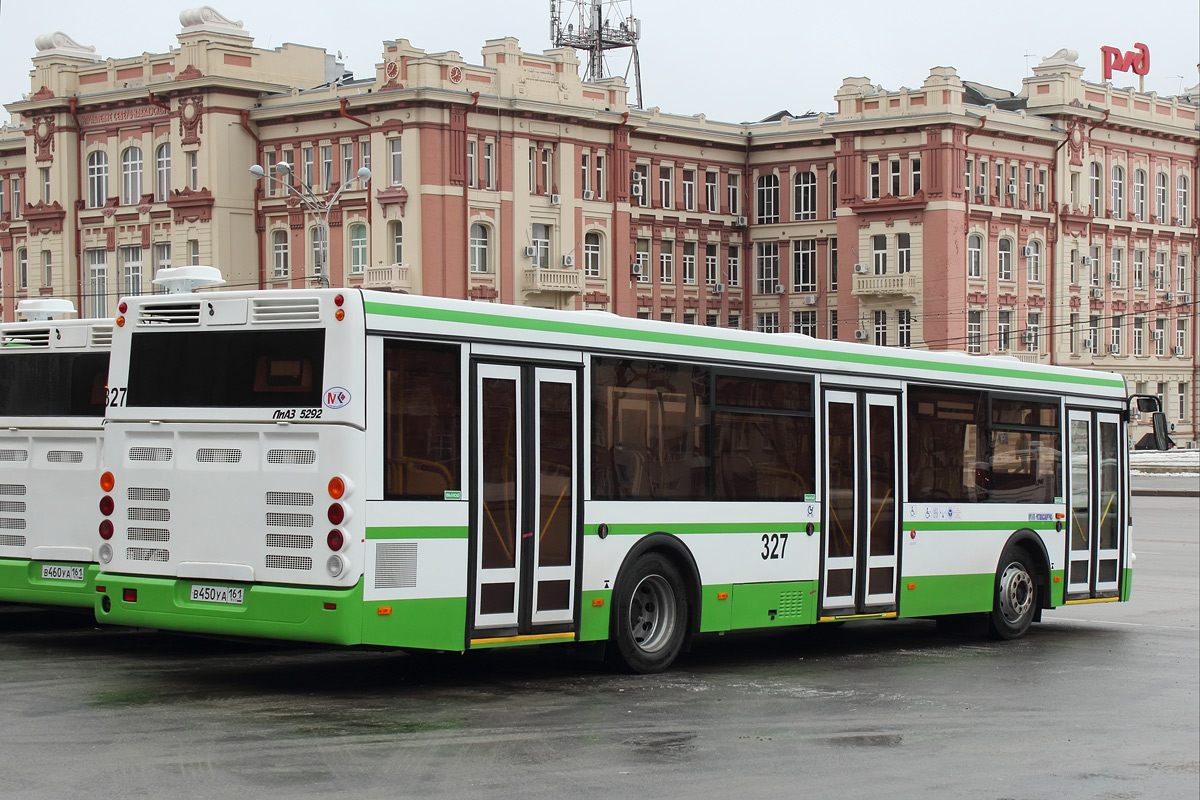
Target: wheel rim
{"points": [[652, 613], [1016, 593]]}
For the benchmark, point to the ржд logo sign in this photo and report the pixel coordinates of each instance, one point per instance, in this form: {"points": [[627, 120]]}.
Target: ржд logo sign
{"points": [[1137, 60]]}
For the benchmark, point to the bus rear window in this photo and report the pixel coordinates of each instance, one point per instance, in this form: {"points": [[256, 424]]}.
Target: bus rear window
{"points": [[53, 384], [227, 369]]}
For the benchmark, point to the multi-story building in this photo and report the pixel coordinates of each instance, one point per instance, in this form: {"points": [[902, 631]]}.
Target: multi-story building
{"points": [[1055, 224]]}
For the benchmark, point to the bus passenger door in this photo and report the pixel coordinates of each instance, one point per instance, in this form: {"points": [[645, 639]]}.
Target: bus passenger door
{"points": [[1096, 514], [526, 499], [860, 531]]}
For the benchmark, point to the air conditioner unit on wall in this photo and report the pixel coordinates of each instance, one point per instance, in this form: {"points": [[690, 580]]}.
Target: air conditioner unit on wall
{"points": [[741, 222], [860, 334], [719, 288], [1085, 261], [1097, 294], [1177, 350], [636, 190], [568, 260], [779, 288], [1027, 251], [1114, 350], [810, 299], [1185, 298], [1041, 187], [861, 269], [981, 191], [556, 199], [1087, 344], [530, 251], [588, 194], [1170, 296]]}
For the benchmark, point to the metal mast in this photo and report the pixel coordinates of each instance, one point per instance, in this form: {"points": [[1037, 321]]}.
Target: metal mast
{"points": [[598, 26]]}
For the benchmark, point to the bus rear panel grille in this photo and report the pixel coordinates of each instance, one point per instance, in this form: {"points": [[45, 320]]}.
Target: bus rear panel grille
{"points": [[144, 494], [147, 554], [148, 535], [150, 454], [291, 541], [289, 562], [289, 498], [291, 456]]}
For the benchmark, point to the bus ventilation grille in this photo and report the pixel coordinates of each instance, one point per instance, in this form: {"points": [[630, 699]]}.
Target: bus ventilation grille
{"points": [[14, 455], [174, 313], [12, 506], [13, 523], [218, 455], [291, 456], [289, 562], [285, 309], [290, 541], [150, 454], [35, 337], [65, 457], [395, 565], [9, 540], [102, 335], [12, 489], [289, 498], [148, 514], [147, 554], [289, 520], [149, 535], [790, 605], [143, 494]]}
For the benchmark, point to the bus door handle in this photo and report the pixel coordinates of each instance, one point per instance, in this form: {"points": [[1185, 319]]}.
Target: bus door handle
{"points": [[810, 529]]}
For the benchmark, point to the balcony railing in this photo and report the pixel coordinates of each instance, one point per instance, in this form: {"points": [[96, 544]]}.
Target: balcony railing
{"points": [[553, 280], [904, 284], [393, 278]]}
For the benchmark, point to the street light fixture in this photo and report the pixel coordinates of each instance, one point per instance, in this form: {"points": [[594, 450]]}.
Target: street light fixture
{"points": [[317, 207]]}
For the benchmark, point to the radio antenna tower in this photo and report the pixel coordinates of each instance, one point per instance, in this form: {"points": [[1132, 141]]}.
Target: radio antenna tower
{"points": [[598, 26]]}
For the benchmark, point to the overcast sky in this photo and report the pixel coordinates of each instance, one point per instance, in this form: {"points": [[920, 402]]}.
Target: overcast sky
{"points": [[736, 60]]}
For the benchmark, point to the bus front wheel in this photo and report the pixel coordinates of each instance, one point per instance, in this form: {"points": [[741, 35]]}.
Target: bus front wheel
{"points": [[651, 615], [1016, 596]]}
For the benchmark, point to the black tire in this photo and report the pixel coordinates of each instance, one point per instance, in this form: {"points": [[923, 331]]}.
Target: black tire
{"points": [[1016, 600], [650, 617]]}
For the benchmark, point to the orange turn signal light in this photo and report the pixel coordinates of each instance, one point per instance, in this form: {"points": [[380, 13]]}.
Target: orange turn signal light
{"points": [[120, 322], [722, 595], [340, 314], [337, 488], [384, 611], [598, 602], [107, 482]]}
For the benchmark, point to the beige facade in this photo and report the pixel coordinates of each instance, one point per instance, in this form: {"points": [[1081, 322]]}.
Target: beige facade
{"points": [[950, 216]]}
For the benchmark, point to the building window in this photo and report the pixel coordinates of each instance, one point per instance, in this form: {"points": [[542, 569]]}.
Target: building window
{"points": [[914, 173], [689, 263], [1041, 190], [804, 265], [904, 328], [1092, 344], [395, 161], [1003, 330], [1004, 260], [364, 153], [1034, 260], [1160, 270], [131, 268], [489, 166], [327, 167], [970, 173], [1182, 400], [879, 254], [1094, 265], [667, 315], [1094, 187], [598, 186], [479, 246], [689, 189], [641, 184], [97, 172], [533, 170], [1160, 198], [833, 325], [131, 176], [873, 180], [1181, 336], [805, 322], [1139, 268], [903, 253], [1073, 334], [734, 263], [358, 249], [974, 331], [591, 255], [768, 267], [1029, 187], [22, 268], [833, 193], [982, 186], [1181, 271], [307, 175], [733, 190], [279, 246], [833, 264], [1138, 333], [47, 268], [894, 167], [396, 239], [880, 328], [547, 170], [1160, 336], [1033, 332], [666, 261], [16, 194], [641, 264], [541, 246], [768, 199], [1181, 201], [1118, 258], [1118, 192], [97, 283], [767, 322], [974, 256], [193, 248], [347, 161], [319, 236], [193, 168], [471, 165], [162, 173], [711, 269], [1139, 195], [805, 195], [45, 175], [710, 192]]}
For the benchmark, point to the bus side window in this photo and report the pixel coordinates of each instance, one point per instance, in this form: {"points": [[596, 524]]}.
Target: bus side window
{"points": [[421, 426], [946, 456]]}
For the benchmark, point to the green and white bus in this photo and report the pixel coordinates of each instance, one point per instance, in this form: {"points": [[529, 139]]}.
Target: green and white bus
{"points": [[356, 467]]}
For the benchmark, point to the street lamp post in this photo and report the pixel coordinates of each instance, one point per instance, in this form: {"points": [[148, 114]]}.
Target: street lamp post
{"points": [[317, 208]]}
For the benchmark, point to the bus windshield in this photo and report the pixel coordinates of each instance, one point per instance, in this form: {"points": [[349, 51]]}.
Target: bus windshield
{"points": [[227, 369], [56, 384]]}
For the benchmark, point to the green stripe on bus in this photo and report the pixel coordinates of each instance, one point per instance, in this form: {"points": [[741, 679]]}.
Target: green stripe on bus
{"points": [[419, 532], [977, 525], [691, 340], [682, 528]]}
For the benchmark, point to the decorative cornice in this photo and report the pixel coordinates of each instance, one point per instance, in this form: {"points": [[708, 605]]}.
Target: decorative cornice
{"points": [[392, 196], [191, 205]]}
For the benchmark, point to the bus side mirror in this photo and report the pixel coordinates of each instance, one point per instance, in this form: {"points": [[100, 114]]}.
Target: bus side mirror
{"points": [[1147, 405], [1161, 440]]}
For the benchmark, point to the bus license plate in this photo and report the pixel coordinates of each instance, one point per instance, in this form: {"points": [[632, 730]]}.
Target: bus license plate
{"points": [[218, 594], [58, 572]]}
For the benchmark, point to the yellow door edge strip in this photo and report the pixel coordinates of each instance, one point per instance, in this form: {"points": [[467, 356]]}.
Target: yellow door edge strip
{"points": [[1091, 600], [885, 615], [531, 637]]}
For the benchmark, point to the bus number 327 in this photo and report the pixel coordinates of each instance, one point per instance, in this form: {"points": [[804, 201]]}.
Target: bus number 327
{"points": [[774, 545]]}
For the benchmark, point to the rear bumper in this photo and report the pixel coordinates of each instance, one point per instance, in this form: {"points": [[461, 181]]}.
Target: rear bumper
{"points": [[328, 616], [21, 581]]}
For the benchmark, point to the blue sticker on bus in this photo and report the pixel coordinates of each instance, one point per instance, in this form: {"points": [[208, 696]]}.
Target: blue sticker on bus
{"points": [[337, 397]]}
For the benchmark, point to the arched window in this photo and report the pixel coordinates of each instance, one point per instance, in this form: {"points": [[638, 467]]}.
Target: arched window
{"points": [[1034, 259], [1004, 260], [974, 256], [805, 196], [396, 241], [768, 199], [279, 247], [1118, 193], [162, 173], [1094, 188], [1139, 194], [480, 245], [97, 172], [591, 255], [358, 249], [131, 176]]}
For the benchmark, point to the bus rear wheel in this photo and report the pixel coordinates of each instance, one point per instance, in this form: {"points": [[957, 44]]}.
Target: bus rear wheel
{"points": [[651, 615], [1016, 596]]}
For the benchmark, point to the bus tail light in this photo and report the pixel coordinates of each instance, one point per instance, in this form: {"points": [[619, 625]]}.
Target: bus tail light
{"points": [[107, 482], [129, 595], [335, 540], [338, 513], [107, 505], [106, 529], [336, 565], [105, 553]]}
